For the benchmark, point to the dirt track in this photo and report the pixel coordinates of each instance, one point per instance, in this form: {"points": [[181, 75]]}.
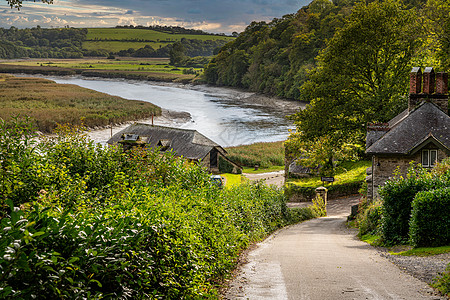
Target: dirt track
{"points": [[322, 259]]}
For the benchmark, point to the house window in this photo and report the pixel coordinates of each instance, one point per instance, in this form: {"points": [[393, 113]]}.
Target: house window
{"points": [[429, 158]]}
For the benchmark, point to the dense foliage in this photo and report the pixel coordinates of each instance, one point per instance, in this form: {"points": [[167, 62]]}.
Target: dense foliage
{"points": [[84, 221], [398, 202], [41, 42], [430, 218], [348, 59]]}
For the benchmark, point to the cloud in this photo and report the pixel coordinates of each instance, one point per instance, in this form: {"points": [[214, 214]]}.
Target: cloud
{"points": [[209, 15]]}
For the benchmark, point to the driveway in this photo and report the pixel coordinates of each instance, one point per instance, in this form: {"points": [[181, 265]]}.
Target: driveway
{"points": [[271, 178], [322, 259]]}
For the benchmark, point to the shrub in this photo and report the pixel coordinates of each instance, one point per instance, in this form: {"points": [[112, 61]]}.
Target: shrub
{"points": [[430, 218], [225, 166], [397, 196], [138, 225], [442, 283], [369, 217], [302, 193]]}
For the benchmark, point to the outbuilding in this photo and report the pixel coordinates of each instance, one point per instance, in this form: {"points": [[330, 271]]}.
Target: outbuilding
{"points": [[187, 143]]}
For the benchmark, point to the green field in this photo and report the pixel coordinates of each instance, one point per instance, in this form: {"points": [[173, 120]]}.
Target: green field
{"points": [[109, 38], [148, 65], [143, 65]]}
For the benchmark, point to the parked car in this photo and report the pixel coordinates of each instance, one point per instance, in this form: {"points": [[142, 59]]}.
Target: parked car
{"points": [[218, 180]]}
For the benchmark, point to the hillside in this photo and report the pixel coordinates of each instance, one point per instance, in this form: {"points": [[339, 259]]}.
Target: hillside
{"points": [[77, 43], [276, 57], [117, 39]]}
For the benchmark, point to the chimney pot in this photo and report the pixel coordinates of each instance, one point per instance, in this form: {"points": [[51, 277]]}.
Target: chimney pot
{"points": [[428, 80], [441, 83], [415, 81]]}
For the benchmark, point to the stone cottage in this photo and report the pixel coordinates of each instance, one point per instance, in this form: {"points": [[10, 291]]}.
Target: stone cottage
{"points": [[189, 144], [421, 133]]}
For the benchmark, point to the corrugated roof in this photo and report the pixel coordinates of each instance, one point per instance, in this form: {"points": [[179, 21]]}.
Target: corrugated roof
{"points": [[424, 121], [185, 142]]}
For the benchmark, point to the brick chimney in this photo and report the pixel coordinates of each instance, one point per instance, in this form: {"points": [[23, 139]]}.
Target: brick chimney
{"points": [[442, 83], [430, 82]]}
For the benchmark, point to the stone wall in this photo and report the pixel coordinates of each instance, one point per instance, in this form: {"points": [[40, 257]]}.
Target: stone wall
{"points": [[385, 166]]}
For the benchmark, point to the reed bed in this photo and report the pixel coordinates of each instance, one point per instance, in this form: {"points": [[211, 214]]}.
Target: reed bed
{"points": [[264, 155], [48, 104]]}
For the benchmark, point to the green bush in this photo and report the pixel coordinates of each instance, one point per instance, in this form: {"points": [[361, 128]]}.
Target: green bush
{"points": [[302, 193], [397, 196], [225, 166], [98, 223], [430, 219], [442, 283], [369, 217]]}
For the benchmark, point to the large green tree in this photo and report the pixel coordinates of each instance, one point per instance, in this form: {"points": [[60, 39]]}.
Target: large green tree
{"points": [[361, 77]]}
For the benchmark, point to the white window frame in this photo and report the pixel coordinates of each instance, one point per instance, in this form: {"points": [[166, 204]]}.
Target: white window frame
{"points": [[427, 162]]}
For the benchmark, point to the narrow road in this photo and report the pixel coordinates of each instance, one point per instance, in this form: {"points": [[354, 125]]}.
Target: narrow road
{"points": [[322, 259], [271, 178]]}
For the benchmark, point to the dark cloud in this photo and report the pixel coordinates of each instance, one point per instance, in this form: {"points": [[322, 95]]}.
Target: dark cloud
{"points": [[228, 11], [129, 12]]}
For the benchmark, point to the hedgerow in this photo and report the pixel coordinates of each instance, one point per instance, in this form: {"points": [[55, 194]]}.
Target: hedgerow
{"points": [[430, 218], [93, 222], [398, 194]]}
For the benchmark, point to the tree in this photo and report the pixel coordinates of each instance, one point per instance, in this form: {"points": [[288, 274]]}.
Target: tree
{"points": [[361, 77], [18, 3], [177, 56]]}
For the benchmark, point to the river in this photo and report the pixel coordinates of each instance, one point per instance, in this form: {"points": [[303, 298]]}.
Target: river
{"points": [[227, 116]]}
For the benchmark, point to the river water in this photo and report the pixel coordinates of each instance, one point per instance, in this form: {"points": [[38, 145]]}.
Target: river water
{"points": [[227, 116]]}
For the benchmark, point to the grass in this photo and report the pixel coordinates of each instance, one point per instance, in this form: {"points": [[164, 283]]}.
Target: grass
{"points": [[110, 38], [159, 65], [49, 104], [346, 172], [425, 251], [232, 179], [141, 69], [371, 239], [265, 155], [263, 170]]}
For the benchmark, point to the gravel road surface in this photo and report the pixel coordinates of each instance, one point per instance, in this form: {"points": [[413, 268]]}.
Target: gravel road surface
{"points": [[322, 259]]}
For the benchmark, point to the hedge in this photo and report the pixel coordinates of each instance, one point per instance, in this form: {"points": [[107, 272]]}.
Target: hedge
{"points": [[302, 194], [430, 219], [398, 194]]}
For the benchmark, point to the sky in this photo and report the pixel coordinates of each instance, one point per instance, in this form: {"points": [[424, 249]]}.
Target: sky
{"points": [[217, 16]]}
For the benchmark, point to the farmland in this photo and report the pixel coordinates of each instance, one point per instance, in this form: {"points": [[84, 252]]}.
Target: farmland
{"points": [[116, 39]]}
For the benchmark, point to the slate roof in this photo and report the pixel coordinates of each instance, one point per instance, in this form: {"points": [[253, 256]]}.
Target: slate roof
{"points": [[425, 123], [185, 142]]}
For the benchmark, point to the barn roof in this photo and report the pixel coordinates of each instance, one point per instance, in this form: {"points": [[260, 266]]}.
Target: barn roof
{"points": [[425, 123], [184, 142]]}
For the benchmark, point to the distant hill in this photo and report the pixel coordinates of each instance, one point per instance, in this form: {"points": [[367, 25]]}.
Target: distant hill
{"points": [[117, 39], [76, 43]]}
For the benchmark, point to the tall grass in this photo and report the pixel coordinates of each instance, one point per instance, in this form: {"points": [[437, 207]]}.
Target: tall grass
{"points": [[264, 155], [49, 104]]}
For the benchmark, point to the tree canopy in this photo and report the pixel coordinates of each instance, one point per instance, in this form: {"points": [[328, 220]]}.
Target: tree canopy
{"points": [[361, 77]]}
